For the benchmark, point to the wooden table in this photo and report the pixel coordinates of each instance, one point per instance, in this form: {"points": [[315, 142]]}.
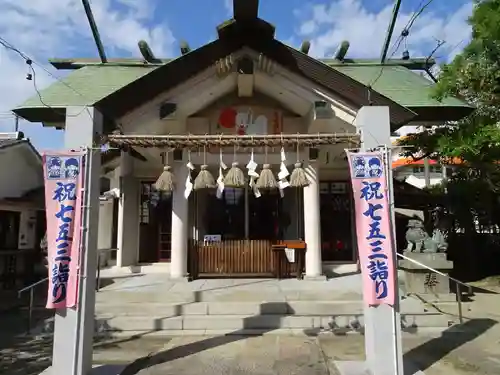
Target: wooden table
{"points": [[283, 266]]}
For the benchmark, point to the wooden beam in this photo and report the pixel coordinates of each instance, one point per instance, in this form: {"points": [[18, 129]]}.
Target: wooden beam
{"points": [[77, 63]]}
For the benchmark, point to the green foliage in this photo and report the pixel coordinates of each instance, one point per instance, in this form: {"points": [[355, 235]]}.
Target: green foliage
{"points": [[474, 76]]}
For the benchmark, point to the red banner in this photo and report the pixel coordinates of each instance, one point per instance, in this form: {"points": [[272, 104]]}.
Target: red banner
{"points": [[373, 226], [63, 172]]}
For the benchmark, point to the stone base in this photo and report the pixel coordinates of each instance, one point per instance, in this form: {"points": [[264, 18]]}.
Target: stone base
{"points": [[181, 279], [361, 368], [420, 280], [96, 370], [315, 278]]}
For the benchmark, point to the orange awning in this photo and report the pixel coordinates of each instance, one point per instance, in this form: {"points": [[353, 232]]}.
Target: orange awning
{"points": [[409, 161]]}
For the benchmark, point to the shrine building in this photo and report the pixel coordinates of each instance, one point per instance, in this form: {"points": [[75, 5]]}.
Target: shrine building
{"points": [[243, 97]]}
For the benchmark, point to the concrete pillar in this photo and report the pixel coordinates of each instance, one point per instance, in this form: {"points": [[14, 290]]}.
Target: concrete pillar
{"points": [[312, 223], [128, 214], [74, 328], [104, 238], [384, 321], [178, 263]]}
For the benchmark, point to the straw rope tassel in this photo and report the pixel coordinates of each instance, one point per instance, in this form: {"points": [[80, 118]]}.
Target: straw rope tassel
{"points": [[235, 177], [266, 179], [205, 179], [298, 178], [166, 180]]}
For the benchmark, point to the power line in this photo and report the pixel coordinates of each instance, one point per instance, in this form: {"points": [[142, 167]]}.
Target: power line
{"points": [[439, 45], [31, 76], [452, 49], [402, 37], [416, 15], [406, 30], [29, 61]]}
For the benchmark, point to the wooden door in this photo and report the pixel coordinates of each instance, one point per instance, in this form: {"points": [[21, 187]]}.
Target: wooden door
{"points": [[148, 236], [164, 220]]}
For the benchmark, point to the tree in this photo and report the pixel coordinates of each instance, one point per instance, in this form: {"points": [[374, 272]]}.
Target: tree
{"points": [[474, 76]]}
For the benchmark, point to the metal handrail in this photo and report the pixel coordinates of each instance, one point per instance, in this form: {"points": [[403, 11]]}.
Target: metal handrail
{"points": [[99, 253], [30, 288], [458, 283]]}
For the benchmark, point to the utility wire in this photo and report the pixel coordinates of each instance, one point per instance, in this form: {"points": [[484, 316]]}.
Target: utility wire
{"points": [[416, 15], [32, 76], [29, 61], [452, 49], [439, 45], [397, 43]]}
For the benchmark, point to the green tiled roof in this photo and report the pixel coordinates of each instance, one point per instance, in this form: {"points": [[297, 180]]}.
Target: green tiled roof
{"points": [[94, 82], [399, 84], [86, 86]]}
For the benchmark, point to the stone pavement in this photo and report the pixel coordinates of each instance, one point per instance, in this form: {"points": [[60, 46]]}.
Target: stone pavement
{"points": [[476, 351], [473, 353], [455, 353]]}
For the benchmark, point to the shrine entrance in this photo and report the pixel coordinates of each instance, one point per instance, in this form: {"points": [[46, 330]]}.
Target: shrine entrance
{"points": [[238, 215], [235, 233], [155, 223], [232, 225], [337, 222]]}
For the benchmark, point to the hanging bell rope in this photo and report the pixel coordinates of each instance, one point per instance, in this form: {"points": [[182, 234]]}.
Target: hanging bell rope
{"points": [[166, 180], [266, 179], [205, 179], [235, 177], [298, 178]]}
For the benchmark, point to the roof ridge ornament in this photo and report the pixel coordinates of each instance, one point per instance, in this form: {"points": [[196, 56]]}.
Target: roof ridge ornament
{"points": [[224, 66], [147, 52], [246, 28], [245, 9], [265, 64]]}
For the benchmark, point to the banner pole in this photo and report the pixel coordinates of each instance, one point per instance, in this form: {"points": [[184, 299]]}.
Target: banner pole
{"points": [[83, 254], [396, 320]]}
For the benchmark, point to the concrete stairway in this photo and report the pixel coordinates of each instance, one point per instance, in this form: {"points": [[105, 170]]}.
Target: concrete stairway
{"points": [[248, 311]]}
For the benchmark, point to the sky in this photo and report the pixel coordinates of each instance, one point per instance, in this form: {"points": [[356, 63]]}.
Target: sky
{"points": [[42, 30]]}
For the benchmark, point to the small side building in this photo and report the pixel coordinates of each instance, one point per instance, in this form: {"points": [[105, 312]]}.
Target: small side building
{"points": [[22, 210]]}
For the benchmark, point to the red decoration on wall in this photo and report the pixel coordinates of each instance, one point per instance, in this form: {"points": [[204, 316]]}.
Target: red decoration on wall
{"points": [[241, 130], [227, 118]]}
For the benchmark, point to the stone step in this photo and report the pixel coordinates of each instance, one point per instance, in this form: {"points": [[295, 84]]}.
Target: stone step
{"points": [[238, 295], [268, 321], [233, 308], [304, 308]]}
